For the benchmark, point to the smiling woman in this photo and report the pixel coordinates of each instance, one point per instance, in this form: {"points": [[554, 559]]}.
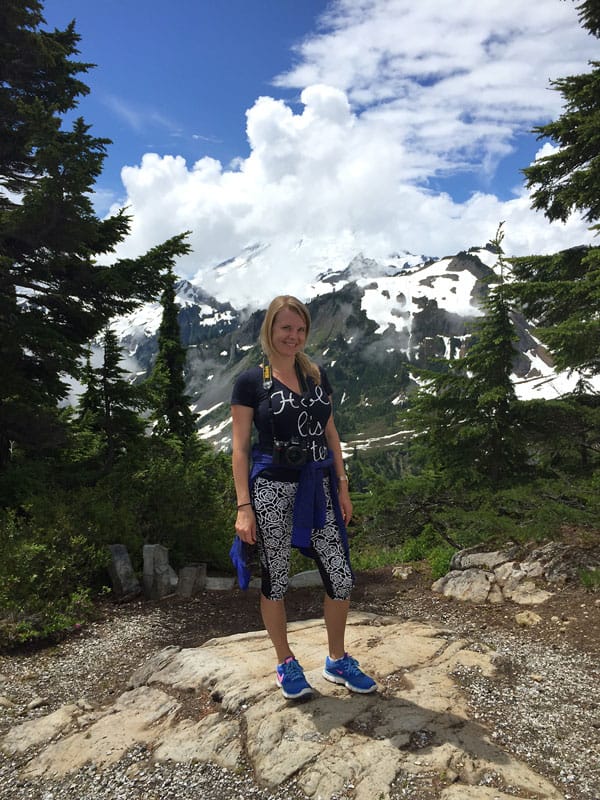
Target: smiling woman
{"points": [[292, 490], [288, 333]]}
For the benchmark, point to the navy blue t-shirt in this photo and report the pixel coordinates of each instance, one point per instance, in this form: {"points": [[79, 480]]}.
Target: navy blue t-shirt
{"points": [[300, 417]]}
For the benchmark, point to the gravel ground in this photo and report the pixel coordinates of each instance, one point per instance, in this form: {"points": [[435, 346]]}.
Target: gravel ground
{"points": [[543, 705]]}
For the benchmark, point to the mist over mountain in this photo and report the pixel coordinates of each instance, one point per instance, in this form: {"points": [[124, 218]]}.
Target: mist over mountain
{"points": [[289, 265], [371, 319]]}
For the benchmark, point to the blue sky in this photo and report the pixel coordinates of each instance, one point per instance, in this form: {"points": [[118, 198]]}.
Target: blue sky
{"points": [[177, 78], [350, 126]]}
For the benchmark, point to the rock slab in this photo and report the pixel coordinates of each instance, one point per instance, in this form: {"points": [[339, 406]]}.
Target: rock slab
{"points": [[418, 722]]}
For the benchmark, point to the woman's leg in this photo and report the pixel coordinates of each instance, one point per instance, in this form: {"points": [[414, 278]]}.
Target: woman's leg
{"points": [[275, 621], [335, 613], [337, 576], [273, 504]]}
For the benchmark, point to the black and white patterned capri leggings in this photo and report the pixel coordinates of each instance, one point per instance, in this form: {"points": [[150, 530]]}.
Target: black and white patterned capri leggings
{"points": [[274, 508]]}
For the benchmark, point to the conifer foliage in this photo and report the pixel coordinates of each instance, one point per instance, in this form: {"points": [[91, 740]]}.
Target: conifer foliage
{"points": [[110, 406], [562, 291], [466, 415], [54, 295], [73, 481], [170, 404]]}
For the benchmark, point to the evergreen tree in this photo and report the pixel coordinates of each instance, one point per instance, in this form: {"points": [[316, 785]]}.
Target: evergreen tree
{"points": [[563, 434], [89, 403], [110, 405], [54, 296], [465, 417], [562, 291], [171, 406]]}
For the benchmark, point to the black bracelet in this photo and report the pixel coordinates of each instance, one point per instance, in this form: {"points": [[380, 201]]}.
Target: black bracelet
{"points": [[241, 505]]}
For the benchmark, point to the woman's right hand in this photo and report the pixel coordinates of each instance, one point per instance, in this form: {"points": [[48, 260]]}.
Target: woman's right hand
{"points": [[245, 524]]}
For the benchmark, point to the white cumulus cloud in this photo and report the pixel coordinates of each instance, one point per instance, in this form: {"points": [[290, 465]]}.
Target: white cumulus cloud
{"points": [[392, 95]]}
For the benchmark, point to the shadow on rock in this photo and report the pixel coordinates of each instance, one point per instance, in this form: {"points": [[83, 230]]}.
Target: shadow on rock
{"points": [[419, 721]]}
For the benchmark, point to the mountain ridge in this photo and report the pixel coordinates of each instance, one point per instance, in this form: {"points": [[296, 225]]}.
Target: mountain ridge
{"points": [[370, 322]]}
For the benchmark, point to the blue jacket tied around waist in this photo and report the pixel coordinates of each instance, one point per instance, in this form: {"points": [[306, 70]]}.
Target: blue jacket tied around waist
{"points": [[309, 508]]}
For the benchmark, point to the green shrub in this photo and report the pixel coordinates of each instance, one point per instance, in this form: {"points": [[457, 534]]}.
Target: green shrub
{"points": [[400, 512], [58, 520], [416, 549], [373, 558], [590, 579], [54, 537], [439, 560], [187, 505], [46, 573]]}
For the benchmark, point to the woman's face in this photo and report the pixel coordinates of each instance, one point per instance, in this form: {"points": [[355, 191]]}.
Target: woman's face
{"points": [[288, 334]]}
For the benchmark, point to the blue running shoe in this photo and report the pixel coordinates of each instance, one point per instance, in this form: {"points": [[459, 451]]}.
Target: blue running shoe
{"points": [[346, 671], [291, 680]]}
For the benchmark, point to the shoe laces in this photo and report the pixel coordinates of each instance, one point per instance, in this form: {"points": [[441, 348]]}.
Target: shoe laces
{"points": [[351, 665], [293, 670]]}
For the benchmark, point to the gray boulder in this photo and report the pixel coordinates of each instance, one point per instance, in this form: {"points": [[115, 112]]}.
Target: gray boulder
{"points": [[160, 579], [123, 578]]}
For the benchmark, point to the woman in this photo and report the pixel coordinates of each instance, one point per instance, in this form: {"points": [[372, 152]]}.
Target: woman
{"points": [[292, 489]]}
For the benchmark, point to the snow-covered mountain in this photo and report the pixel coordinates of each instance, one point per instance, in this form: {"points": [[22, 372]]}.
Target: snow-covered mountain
{"points": [[206, 312], [371, 318], [295, 266]]}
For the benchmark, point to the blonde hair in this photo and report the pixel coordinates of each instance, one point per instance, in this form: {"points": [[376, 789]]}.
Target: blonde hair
{"points": [[307, 367]]}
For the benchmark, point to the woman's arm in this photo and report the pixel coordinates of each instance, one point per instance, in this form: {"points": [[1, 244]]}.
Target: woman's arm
{"points": [[245, 523], [333, 442]]}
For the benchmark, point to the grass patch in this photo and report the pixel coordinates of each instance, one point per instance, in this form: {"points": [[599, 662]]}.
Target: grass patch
{"points": [[590, 579], [374, 558]]}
